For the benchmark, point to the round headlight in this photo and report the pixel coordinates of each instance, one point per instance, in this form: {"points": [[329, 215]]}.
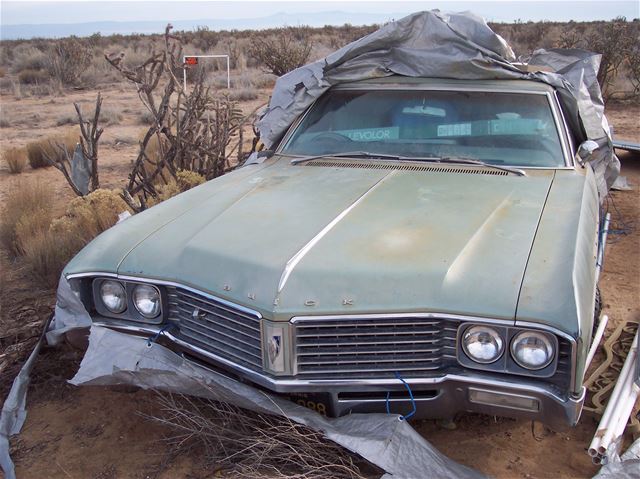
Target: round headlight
{"points": [[146, 300], [113, 296], [532, 350], [482, 344]]}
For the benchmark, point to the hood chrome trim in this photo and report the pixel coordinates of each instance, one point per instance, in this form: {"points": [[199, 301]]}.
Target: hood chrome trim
{"points": [[296, 258]]}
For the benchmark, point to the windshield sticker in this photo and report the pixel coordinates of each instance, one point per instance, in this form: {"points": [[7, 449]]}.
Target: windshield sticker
{"points": [[456, 129], [372, 134]]}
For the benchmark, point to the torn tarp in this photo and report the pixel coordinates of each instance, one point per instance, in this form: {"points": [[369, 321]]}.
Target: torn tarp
{"points": [[384, 440], [449, 45]]}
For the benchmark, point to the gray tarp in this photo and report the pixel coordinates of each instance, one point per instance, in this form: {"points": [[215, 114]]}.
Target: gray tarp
{"points": [[449, 45], [385, 440]]}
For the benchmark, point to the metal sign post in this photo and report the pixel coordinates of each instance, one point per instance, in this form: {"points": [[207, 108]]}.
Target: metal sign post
{"points": [[192, 60]]}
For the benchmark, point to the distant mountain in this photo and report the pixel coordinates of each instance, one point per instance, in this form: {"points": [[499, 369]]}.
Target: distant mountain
{"points": [[56, 30]]}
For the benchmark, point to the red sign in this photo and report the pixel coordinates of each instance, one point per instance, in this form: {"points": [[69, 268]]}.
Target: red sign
{"points": [[191, 61]]}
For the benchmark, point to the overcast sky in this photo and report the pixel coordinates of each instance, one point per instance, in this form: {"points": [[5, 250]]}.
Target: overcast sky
{"points": [[28, 12]]}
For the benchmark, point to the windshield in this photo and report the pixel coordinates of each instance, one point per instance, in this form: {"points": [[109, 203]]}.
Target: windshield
{"points": [[498, 128]]}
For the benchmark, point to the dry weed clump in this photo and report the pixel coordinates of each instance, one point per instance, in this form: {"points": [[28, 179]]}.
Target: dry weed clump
{"points": [[47, 244], [88, 216], [24, 200], [248, 444], [33, 77], [15, 159], [39, 152], [184, 180], [245, 94]]}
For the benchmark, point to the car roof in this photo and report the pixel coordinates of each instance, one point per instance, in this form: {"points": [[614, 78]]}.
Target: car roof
{"points": [[399, 81]]}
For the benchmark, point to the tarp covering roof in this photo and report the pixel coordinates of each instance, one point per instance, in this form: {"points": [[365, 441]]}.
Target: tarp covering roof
{"points": [[435, 44]]}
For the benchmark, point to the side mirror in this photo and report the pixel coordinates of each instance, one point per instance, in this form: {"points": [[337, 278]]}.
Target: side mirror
{"points": [[585, 151]]}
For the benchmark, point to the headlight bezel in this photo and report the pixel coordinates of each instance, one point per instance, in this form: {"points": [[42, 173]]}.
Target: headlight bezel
{"points": [[506, 363], [131, 313]]}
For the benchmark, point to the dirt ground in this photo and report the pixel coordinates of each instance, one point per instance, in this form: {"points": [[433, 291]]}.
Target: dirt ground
{"points": [[101, 433]]}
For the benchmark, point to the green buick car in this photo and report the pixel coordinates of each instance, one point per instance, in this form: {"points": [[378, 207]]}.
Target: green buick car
{"points": [[411, 245]]}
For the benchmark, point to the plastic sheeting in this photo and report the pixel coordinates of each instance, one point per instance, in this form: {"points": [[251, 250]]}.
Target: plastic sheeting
{"points": [[449, 45], [625, 467], [384, 440]]}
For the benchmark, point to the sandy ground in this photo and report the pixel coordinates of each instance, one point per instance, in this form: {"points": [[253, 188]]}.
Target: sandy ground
{"points": [[100, 433]]}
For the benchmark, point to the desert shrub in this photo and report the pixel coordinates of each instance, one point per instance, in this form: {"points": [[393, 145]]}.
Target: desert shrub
{"points": [[69, 59], [109, 116], [26, 199], [3, 72], [287, 49], [51, 148], [88, 216], [612, 40], [27, 57], [185, 180], [4, 123], [46, 253], [245, 94], [33, 77], [16, 159]]}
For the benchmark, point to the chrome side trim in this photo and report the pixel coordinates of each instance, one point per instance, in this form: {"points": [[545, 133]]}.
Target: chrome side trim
{"points": [[560, 127], [90, 274], [295, 259]]}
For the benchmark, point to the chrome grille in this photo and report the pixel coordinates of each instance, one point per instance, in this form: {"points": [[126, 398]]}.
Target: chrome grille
{"points": [[364, 347], [220, 328]]}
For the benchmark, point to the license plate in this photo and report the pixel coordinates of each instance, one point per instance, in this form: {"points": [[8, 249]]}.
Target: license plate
{"points": [[320, 402]]}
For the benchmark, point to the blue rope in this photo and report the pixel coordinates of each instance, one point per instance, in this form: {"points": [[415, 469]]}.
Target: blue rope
{"points": [[155, 337], [413, 401]]}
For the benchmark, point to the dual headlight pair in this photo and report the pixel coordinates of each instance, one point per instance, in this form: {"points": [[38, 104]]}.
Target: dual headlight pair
{"points": [[145, 298], [529, 349]]}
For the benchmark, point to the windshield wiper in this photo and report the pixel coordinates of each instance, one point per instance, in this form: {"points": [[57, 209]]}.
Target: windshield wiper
{"points": [[362, 154], [469, 161]]}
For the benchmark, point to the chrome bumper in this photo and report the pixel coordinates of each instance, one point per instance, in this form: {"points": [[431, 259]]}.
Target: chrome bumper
{"points": [[435, 397]]}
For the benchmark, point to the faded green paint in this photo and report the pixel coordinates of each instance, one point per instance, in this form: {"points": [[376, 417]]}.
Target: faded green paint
{"points": [[559, 284], [420, 241]]}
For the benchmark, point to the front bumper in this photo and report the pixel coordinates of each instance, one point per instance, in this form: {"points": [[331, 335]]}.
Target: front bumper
{"points": [[435, 397]]}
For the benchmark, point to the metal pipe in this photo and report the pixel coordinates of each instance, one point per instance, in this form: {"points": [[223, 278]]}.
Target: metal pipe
{"points": [[602, 245], [610, 422], [596, 340]]}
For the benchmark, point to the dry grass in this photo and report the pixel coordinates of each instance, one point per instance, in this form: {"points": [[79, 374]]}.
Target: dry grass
{"points": [[15, 159], [25, 199], [245, 94], [46, 244], [33, 77], [247, 444], [46, 253], [52, 148]]}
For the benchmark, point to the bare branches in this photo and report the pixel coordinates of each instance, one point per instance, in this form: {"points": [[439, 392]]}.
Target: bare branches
{"points": [[288, 49], [191, 131], [251, 444], [80, 167]]}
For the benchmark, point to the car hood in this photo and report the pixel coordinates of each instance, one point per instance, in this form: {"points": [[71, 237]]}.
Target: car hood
{"points": [[304, 239]]}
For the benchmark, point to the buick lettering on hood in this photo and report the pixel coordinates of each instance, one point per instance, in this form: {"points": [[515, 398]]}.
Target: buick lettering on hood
{"points": [[419, 246]]}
